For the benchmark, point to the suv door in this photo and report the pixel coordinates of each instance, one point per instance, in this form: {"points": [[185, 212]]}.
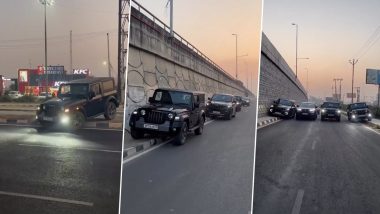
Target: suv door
{"points": [[94, 106]]}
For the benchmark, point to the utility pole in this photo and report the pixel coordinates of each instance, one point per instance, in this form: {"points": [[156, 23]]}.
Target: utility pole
{"points": [[353, 63], [340, 88], [71, 51], [357, 94], [296, 48], [171, 19], [236, 45], [336, 95], [108, 50]]}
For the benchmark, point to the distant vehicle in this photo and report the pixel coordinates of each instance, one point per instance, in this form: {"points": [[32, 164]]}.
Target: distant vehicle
{"points": [[330, 110], [42, 95], [283, 108], [78, 100], [170, 112], [246, 101], [14, 94], [221, 105], [358, 111], [307, 110], [239, 103]]}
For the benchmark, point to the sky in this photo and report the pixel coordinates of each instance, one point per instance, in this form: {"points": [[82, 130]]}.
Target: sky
{"points": [[22, 34], [209, 26], [330, 33]]}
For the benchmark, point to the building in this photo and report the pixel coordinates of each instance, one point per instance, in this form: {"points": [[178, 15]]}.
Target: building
{"points": [[35, 81]]}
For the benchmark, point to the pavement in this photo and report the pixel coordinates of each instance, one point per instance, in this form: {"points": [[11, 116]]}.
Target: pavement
{"points": [[57, 172], [211, 173], [317, 167]]}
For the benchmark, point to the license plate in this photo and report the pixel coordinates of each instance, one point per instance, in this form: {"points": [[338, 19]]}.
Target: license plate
{"points": [[330, 115], [47, 119], [215, 112], [150, 126], [304, 113]]}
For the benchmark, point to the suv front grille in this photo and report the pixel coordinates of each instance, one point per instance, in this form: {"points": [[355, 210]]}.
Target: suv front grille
{"points": [[155, 117], [331, 111], [51, 110], [361, 112], [217, 107]]}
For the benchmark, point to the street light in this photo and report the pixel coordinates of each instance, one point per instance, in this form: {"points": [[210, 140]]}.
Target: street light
{"points": [[296, 47], [236, 38], [46, 3]]}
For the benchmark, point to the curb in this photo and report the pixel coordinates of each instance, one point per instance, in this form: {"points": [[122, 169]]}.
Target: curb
{"points": [[100, 125], [131, 151], [267, 122]]}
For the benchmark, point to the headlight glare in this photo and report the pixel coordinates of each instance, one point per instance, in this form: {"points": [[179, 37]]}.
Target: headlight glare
{"points": [[170, 116], [67, 110], [142, 112]]}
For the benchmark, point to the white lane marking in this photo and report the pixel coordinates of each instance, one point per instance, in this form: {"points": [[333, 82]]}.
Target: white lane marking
{"points": [[126, 160], [313, 146], [47, 198], [61, 147], [297, 204], [371, 129]]}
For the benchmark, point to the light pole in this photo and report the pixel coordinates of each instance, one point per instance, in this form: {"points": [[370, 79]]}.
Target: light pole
{"points": [[236, 38], [296, 47], [353, 63], [46, 3]]}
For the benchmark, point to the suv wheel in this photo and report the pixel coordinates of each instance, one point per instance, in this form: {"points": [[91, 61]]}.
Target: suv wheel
{"points": [[77, 120], [199, 130], [229, 116], [136, 134], [110, 111], [180, 139]]}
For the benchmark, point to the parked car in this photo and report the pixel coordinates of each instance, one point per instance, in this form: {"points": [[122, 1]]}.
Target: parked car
{"points": [[246, 101], [42, 95], [330, 110], [239, 103], [78, 100], [358, 111], [283, 108], [222, 105], [14, 94], [307, 110], [170, 112]]}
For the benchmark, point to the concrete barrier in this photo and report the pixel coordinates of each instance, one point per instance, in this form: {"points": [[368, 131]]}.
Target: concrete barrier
{"points": [[277, 80], [157, 60]]}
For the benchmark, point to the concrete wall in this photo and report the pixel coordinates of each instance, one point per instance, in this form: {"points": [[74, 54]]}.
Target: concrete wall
{"points": [[277, 80], [157, 60]]}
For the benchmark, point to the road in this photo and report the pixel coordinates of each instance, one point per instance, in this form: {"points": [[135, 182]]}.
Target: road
{"points": [[317, 167], [56, 172], [211, 173]]}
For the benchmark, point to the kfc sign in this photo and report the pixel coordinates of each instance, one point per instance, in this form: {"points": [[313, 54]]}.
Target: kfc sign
{"points": [[81, 71], [58, 83]]}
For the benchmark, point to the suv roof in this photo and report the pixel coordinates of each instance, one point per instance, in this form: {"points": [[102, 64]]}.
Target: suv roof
{"points": [[181, 90], [225, 94], [91, 80]]}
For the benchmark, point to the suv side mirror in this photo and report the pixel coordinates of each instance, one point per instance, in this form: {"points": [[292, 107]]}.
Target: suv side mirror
{"points": [[91, 95], [150, 100]]}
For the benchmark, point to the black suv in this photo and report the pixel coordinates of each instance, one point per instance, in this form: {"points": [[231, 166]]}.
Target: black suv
{"points": [[222, 105], [170, 112], [78, 100], [246, 101], [239, 103], [358, 111], [282, 107], [330, 110], [307, 110]]}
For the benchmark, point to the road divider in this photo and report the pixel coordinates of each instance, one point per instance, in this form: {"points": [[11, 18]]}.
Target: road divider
{"points": [[266, 121]]}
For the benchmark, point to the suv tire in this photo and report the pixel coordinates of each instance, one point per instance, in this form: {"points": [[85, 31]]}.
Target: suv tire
{"points": [[136, 134], [180, 139], [229, 116], [199, 130], [110, 111], [77, 120]]}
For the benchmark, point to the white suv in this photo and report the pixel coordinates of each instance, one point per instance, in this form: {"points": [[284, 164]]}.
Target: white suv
{"points": [[15, 94]]}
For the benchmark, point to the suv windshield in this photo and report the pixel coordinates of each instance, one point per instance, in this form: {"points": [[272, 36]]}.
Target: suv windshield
{"points": [[238, 98], [73, 90], [358, 105], [221, 98], [307, 105], [172, 98], [285, 102], [330, 105]]}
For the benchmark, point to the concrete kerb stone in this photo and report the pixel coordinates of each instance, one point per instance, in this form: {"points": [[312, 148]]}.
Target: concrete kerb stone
{"points": [[267, 121]]}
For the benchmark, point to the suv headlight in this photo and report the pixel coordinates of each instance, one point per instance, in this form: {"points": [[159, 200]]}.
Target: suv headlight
{"points": [[134, 112], [170, 116], [67, 110], [312, 110], [142, 112], [323, 110], [271, 106], [298, 109], [177, 118], [229, 105], [338, 111]]}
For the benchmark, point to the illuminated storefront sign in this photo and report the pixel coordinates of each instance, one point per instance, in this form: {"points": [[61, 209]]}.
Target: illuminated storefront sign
{"points": [[56, 69], [23, 76], [58, 83], [81, 71]]}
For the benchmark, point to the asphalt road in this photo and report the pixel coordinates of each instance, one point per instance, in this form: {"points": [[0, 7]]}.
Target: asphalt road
{"points": [[317, 167], [57, 172], [211, 173]]}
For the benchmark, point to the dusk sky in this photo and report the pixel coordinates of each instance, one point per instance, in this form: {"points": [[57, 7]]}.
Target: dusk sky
{"points": [[330, 33], [22, 34], [208, 25]]}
